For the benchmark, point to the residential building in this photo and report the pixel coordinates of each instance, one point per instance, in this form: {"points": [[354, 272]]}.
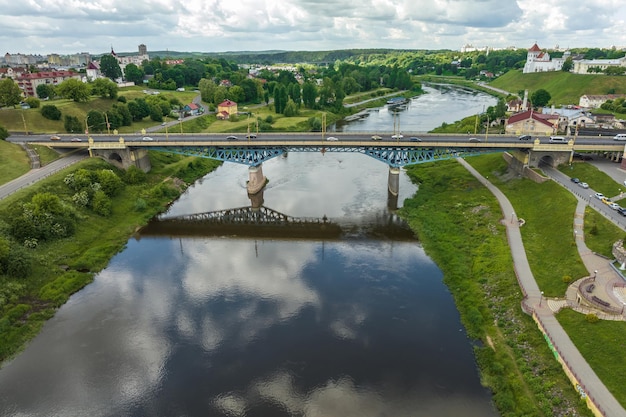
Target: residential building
{"points": [[226, 108], [592, 101], [28, 82]]}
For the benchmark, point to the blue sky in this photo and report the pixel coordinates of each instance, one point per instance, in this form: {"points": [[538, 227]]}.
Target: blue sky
{"points": [[70, 26]]}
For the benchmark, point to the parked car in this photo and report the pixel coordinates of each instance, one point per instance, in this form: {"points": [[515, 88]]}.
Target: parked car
{"points": [[525, 137], [231, 137], [606, 201], [622, 211], [575, 180], [599, 196], [474, 140], [376, 137], [415, 139], [55, 137], [583, 184], [332, 139], [147, 138], [614, 206]]}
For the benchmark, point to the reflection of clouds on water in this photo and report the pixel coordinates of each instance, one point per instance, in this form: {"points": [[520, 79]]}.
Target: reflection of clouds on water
{"points": [[346, 323]]}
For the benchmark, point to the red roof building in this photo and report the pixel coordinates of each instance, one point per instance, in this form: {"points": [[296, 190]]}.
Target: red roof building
{"points": [[532, 123], [28, 82]]}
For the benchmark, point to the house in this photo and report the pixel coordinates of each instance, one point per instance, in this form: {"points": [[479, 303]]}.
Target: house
{"points": [[226, 83], [227, 107], [192, 109], [514, 106], [540, 61], [595, 101], [93, 70], [532, 123]]}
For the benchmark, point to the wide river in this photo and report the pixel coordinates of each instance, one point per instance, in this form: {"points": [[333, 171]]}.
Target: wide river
{"points": [[249, 319]]}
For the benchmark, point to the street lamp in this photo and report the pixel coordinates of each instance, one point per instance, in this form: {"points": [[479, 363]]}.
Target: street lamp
{"points": [[595, 274], [541, 299]]}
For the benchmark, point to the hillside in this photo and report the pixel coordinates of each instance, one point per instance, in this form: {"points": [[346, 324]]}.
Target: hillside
{"points": [[565, 88]]}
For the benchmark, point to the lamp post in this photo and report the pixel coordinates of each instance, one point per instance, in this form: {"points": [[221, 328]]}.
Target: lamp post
{"points": [[540, 298], [595, 274]]}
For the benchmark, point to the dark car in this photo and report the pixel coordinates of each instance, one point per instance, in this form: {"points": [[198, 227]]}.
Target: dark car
{"points": [[525, 137], [474, 140], [415, 139], [575, 180], [231, 137], [622, 211]]}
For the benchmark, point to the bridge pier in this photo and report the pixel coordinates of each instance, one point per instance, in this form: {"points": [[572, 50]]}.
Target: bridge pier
{"points": [[393, 181], [256, 180]]}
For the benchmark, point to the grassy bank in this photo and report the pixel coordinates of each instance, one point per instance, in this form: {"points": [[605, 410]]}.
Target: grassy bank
{"points": [[62, 267], [13, 161], [457, 221]]}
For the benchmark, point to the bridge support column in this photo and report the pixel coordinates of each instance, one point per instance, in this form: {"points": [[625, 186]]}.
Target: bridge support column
{"points": [[393, 182], [256, 180]]}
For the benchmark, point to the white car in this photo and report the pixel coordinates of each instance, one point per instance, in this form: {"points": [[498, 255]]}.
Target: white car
{"points": [[583, 185], [332, 139], [599, 196], [376, 137], [397, 136], [614, 206], [147, 138]]}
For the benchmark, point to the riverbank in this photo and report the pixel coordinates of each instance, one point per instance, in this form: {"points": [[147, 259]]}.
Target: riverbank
{"points": [[458, 222], [61, 267]]}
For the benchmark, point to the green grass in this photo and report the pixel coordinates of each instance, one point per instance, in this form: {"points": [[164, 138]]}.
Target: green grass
{"points": [[601, 233], [603, 345], [564, 88], [46, 154], [13, 161], [548, 234]]}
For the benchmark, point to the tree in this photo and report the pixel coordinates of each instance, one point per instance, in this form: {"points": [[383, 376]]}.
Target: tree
{"points": [[33, 102], [10, 93], [45, 91], [567, 65], [104, 88], [73, 89], [236, 94], [3, 133], [95, 121], [110, 67], [540, 98], [309, 94], [133, 73], [72, 124], [51, 112]]}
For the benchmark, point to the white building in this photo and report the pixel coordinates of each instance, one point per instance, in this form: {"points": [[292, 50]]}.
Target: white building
{"points": [[540, 61]]}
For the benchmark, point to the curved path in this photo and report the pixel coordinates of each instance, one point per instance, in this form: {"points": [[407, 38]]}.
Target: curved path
{"points": [[533, 303]]}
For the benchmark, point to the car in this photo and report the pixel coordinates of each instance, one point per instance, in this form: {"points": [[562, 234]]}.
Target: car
{"points": [[415, 139], [614, 206], [620, 136], [231, 137], [147, 139], [606, 201], [557, 139], [599, 196], [251, 135], [575, 180], [76, 140], [622, 211], [474, 140], [376, 137], [583, 185], [624, 182], [332, 139], [397, 136], [525, 137], [55, 137], [163, 124]]}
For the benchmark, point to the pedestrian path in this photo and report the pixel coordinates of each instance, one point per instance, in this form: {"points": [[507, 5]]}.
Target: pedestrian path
{"points": [[542, 310]]}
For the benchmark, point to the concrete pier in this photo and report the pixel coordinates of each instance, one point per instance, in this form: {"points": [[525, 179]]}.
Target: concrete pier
{"points": [[256, 180], [393, 183]]}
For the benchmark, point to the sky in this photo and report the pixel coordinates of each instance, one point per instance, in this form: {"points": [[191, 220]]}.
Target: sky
{"points": [[94, 26]]}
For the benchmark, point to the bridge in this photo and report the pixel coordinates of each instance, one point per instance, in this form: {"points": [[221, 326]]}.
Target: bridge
{"points": [[396, 152]]}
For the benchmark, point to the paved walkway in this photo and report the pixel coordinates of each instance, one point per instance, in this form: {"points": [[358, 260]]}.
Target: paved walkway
{"points": [[534, 302]]}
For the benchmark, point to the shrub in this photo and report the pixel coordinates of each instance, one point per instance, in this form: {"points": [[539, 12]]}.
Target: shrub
{"points": [[33, 102], [51, 112], [591, 318]]}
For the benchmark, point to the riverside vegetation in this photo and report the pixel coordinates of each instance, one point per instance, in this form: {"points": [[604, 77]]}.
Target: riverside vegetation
{"points": [[56, 234]]}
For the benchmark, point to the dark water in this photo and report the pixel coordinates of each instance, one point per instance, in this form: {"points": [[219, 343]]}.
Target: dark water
{"points": [[241, 324]]}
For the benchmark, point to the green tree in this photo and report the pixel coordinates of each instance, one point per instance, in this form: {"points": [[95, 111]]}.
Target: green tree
{"points": [[207, 90], [45, 91], [309, 94], [540, 98], [51, 112], [3, 133], [568, 65], [95, 121], [104, 88], [72, 124], [110, 67], [110, 182], [73, 89], [10, 93], [134, 73], [33, 102], [236, 94], [290, 109]]}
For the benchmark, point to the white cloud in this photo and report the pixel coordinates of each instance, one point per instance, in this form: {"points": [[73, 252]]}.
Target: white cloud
{"points": [[69, 26]]}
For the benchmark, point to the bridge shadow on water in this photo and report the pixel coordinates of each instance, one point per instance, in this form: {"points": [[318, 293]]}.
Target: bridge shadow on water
{"points": [[263, 222]]}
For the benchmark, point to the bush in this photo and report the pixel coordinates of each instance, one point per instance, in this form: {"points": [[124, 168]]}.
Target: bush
{"points": [[591, 318], [51, 112], [33, 102]]}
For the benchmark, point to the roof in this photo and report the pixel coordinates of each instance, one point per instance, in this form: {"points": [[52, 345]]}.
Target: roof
{"points": [[47, 74], [534, 48], [541, 118], [227, 103]]}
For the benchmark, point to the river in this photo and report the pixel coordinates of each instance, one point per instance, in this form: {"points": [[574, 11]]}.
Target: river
{"points": [[262, 320]]}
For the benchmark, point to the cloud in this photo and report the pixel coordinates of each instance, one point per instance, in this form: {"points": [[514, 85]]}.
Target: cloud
{"points": [[69, 26]]}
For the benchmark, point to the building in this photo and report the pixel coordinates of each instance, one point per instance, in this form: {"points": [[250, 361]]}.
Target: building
{"points": [[226, 108], [28, 82], [540, 61], [584, 65], [532, 123], [592, 101]]}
